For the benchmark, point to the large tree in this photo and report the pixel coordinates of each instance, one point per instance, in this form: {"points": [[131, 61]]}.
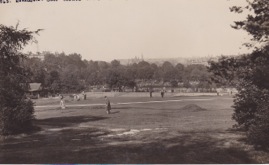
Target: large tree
{"points": [[16, 113], [250, 73]]}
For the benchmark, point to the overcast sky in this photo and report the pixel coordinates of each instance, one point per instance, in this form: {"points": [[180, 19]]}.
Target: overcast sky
{"points": [[120, 29]]}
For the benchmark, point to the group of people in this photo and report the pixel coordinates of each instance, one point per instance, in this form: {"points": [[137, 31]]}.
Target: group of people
{"points": [[62, 103], [75, 97], [108, 105]]}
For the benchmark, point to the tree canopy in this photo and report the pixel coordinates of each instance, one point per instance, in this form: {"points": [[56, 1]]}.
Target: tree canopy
{"points": [[249, 73], [16, 112], [257, 21]]}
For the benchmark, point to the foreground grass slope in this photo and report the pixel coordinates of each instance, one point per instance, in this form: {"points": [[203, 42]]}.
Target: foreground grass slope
{"points": [[141, 130]]}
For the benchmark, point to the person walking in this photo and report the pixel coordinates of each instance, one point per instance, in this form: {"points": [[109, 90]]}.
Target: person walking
{"points": [[62, 103], [108, 106]]}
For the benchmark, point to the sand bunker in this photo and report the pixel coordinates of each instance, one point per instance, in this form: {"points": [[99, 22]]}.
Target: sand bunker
{"points": [[192, 107]]}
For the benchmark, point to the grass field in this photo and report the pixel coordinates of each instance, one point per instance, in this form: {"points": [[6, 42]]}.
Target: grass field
{"points": [[194, 129]]}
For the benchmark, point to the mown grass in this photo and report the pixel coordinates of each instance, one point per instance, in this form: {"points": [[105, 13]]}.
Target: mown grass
{"points": [[187, 131]]}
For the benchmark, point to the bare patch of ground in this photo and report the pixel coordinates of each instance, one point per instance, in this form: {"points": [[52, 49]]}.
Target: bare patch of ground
{"points": [[192, 107]]}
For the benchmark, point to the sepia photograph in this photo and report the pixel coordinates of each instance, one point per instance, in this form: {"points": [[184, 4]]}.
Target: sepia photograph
{"points": [[134, 81]]}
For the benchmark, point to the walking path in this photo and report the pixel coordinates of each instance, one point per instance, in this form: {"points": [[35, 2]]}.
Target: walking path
{"points": [[125, 103]]}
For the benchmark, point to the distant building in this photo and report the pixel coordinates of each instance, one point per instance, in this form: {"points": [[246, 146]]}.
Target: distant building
{"points": [[36, 55], [34, 90], [136, 60], [200, 60]]}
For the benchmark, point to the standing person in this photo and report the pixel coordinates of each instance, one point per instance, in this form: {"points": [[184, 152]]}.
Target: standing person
{"points": [[108, 106], [74, 97], [150, 92], [162, 93], [84, 95], [77, 97], [62, 104]]}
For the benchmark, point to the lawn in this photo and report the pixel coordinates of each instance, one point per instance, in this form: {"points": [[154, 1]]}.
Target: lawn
{"points": [[173, 129]]}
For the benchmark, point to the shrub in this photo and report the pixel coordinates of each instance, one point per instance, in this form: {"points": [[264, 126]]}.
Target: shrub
{"points": [[258, 132], [16, 119]]}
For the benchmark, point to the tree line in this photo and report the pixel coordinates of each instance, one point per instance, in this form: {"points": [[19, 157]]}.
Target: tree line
{"points": [[64, 73]]}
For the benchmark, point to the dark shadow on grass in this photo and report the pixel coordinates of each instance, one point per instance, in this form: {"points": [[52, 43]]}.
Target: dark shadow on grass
{"points": [[67, 121], [141, 108], [117, 107], [114, 112], [92, 107], [90, 146], [183, 149]]}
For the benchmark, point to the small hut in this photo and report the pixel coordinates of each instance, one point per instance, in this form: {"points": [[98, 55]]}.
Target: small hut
{"points": [[35, 90]]}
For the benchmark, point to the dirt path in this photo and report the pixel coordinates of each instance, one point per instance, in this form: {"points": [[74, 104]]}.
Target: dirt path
{"points": [[122, 103]]}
